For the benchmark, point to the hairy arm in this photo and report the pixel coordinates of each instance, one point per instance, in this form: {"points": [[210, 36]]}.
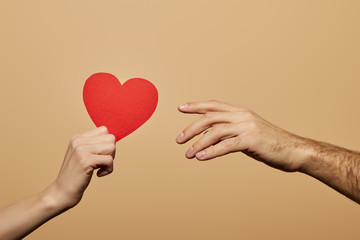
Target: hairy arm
{"points": [[87, 152], [230, 129], [337, 167]]}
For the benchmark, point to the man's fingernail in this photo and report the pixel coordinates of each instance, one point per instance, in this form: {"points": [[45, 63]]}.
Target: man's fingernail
{"points": [[189, 152], [178, 139], [183, 106], [200, 154]]}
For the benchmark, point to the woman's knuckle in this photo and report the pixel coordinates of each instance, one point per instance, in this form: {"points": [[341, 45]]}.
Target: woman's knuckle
{"points": [[108, 160], [83, 159], [79, 151], [112, 137], [112, 146], [103, 129], [74, 141], [74, 137]]}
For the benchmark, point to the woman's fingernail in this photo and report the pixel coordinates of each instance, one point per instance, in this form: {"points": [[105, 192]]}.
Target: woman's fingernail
{"points": [[183, 106], [200, 154], [189, 152], [178, 139], [102, 128]]}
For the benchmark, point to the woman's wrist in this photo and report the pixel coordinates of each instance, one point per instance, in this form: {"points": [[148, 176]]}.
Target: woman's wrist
{"points": [[54, 200]]}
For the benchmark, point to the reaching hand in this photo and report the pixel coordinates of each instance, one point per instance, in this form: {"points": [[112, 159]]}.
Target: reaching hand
{"points": [[231, 129]]}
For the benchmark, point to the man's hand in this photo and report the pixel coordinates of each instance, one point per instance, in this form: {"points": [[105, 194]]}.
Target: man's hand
{"points": [[231, 129], [87, 152]]}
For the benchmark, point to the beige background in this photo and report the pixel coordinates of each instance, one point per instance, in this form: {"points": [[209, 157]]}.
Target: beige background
{"points": [[296, 63]]}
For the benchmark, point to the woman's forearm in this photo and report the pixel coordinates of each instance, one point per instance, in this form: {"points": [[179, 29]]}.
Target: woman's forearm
{"points": [[91, 150], [21, 218]]}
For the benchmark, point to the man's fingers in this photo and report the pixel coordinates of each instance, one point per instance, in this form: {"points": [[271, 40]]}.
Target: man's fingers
{"points": [[206, 106], [214, 135], [224, 147], [203, 123]]}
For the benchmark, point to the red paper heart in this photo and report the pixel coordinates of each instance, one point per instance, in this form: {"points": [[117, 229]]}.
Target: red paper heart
{"points": [[121, 108]]}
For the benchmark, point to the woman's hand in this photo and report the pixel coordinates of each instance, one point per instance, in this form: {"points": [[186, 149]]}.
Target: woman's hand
{"points": [[87, 152]]}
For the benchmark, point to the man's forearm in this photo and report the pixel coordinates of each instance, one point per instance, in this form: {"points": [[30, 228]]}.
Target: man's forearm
{"points": [[233, 129], [337, 167]]}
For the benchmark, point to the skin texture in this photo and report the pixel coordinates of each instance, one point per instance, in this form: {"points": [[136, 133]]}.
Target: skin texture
{"points": [[226, 129], [86, 152]]}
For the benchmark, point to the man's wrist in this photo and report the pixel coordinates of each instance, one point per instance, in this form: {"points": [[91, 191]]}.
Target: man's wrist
{"points": [[313, 161], [303, 153], [308, 159]]}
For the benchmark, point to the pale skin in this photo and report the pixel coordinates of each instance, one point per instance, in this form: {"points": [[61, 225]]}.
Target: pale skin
{"points": [[87, 152], [228, 129]]}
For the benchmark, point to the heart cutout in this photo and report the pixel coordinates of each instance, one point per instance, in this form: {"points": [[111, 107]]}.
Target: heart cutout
{"points": [[121, 108]]}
